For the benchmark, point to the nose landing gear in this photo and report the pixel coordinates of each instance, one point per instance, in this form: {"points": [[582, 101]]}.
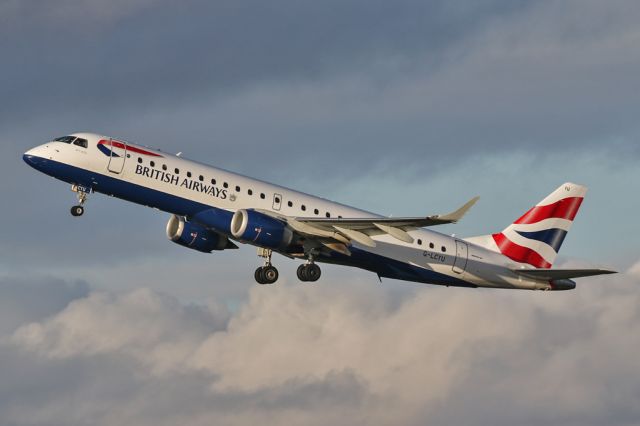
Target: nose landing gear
{"points": [[82, 197]]}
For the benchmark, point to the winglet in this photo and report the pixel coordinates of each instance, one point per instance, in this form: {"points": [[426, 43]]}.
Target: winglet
{"points": [[455, 216]]}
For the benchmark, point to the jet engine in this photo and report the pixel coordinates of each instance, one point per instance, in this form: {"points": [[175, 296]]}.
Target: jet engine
{"points": [[196, 237], [256, 228]]}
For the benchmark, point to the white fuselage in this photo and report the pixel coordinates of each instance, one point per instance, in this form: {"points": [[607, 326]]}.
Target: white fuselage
{"points": [[183, 187]]}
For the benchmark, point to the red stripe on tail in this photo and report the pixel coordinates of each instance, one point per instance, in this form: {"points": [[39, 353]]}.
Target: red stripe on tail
{"points": [[566, 208], [519, 253]]}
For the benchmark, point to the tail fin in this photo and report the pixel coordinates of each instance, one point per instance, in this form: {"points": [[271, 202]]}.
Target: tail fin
{"points": [[536, 237]]}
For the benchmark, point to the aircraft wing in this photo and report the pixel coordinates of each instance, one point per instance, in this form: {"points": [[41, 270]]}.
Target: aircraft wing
{"points": [[560, 274], [336, 233]]}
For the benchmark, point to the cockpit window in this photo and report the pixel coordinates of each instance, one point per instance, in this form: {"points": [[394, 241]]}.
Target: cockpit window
{"points": [[81, 142], [65, 139]]}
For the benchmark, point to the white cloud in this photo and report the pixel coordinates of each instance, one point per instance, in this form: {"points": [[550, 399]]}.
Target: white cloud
{"points": [[635, 270], [319, 354]]}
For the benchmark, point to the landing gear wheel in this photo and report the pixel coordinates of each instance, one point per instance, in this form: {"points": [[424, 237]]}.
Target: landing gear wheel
{"points": [[259, 276], [309, 272], [77, 211], [266, 275], [302, 273], [270, 274], [313, 272]]}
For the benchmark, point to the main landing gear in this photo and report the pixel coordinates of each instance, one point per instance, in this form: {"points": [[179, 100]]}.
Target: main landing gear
{"points": [[82, 197], [309, 272], [268, 274]]}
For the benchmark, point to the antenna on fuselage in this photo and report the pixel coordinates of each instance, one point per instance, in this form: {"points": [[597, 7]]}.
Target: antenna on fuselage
{"points": [[179, 154]]}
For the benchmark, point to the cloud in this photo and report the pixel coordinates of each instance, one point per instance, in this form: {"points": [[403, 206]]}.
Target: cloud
{"points": [[104, 323], [27, 299], [318, 354], [634, 270]]}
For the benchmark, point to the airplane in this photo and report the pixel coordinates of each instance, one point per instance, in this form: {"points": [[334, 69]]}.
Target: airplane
{"points": [[212, 209]]}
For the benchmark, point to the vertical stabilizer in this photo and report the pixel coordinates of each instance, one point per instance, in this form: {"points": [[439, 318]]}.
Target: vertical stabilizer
{"points": [[536, 237]]}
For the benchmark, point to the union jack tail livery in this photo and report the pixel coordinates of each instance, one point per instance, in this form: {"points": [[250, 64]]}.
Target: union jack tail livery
{"points": [[536, 237]]}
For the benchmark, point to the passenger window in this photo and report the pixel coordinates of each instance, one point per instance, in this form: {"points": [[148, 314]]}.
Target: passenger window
{"points": [[177, 171], [303, 207], [188, 174], [290, 204], [431, 245], [226, 185], [81, 142], [139, 160], [152, 164], [164, 167], [201, 178], [250, 192], [237, 189], [277, 200], [213, 181], [339, 217], [419, 242], [262, 196], [327, 214], [444, 249], [316, 211]]}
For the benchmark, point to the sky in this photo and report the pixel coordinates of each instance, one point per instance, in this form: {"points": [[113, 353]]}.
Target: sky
{"points": [[404, 108]]}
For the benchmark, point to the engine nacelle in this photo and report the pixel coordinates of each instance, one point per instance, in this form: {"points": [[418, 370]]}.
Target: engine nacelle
{"points": [[565, 284], [194, 236], [259, 229]]}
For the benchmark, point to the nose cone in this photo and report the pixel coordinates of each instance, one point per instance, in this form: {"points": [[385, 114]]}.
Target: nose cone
{"points": [[35, 157], [28, 157], [31, 158]]}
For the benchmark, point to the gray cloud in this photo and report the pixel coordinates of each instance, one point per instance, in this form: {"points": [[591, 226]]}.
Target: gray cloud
{"points": [[178, 51], [312, 355]]}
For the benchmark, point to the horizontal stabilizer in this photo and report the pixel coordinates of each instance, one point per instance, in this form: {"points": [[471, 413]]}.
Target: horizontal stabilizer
{"points": [[561, 274]]}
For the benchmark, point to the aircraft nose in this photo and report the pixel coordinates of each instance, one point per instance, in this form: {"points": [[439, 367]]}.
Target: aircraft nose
{"points": [[33, 157], [29, 157]]}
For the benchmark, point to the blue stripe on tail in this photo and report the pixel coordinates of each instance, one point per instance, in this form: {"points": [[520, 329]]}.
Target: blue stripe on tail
{"points": [[552, 237]]}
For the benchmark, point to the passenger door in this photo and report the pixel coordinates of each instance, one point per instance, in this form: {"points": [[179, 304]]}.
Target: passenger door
{"points": [[462, 253], [117, 157]]}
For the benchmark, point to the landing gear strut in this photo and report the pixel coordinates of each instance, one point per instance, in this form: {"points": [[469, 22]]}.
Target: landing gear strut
{"points": [[309, 272], [82, 197], [267, 274]]}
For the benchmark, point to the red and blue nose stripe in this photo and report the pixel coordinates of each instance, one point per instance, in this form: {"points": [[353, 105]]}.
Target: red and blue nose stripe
{"points": [[104, 145]]}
